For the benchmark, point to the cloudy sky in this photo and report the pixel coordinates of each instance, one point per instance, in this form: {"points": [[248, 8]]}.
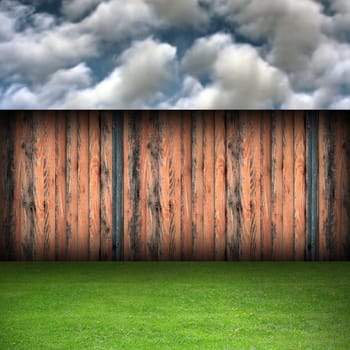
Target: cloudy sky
{"points": [[191, 54]]}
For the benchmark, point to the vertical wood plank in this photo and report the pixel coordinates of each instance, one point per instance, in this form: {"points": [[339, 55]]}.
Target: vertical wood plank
{"points": [[233, 187], [245, 179], [94, 185], [160, 242], [83, 186], [106, 185], [265, 183], [288, 185], [341, 190], [312, 186], [60, 187], [346, 183], [197, 186], [173, 128], [220, 186], [299, 186], [118, 191], [72, 185], [253, 125], [28, 208], [277, 187], [186, 186], [7, 186], [132, 187], [208, 184]]}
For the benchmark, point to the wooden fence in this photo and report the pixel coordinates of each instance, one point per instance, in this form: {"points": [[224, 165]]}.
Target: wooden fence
{"points": [[175, 185]]}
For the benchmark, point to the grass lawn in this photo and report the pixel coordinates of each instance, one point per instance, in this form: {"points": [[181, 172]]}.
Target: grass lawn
{"points": [[240, 306]]}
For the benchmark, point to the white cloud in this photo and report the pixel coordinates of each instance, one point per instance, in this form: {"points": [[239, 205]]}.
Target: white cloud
{"points": [[240, 78], [180, 12], [144, 69], [74, 9], [201, 56], [51, 94], [118, 19]]}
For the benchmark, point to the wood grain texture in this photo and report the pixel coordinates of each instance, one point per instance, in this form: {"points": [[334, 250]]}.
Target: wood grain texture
{"points": [[197, 186], [186, 186], [288, 186], [106, 186], [299, 186], [265, 187], [60, 187], [208, 186], [233, 187], [173, 132], [7, 180], [277, 187], [94, 185], [44, 185], [72, 185], [219, 186]]}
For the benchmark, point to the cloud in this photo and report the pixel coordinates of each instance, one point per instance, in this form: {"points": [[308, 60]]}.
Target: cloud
{"points": [[36, 47], [143, 71], [52, 93], [118, 19], [180, 12], [240, 78], [74, 9]]}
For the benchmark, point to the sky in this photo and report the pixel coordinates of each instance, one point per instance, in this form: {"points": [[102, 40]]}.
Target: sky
{"points": [[174, 54]]}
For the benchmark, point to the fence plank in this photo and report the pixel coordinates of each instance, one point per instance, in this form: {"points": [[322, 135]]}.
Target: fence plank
{"points": [[288, 186], [106, 186], [186, 186], [208, 186], [60, 187], [197, 185], [71, 183], [233, 187], [219, 186], [299, 186], [277, 187], [265, 190], [253, 125], [173, 132], [94, 160], [7, 234]]}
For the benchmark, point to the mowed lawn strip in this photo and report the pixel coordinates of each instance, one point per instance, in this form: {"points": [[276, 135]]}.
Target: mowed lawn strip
{"points": [[175, 305]]}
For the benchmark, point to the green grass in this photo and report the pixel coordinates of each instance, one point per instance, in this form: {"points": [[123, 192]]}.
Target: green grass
{"points": [[241, 306]]}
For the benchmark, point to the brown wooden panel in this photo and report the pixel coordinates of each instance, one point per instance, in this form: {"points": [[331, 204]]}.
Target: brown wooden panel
{"points": [[7, 179], [254, 186], [72, 185], [83, 186], [245, 180], [233, 187], [132, 185], [208, 186], [197, 186], [44, 185], [265, 190], [220, 186], [94, 185], [60, 187], [173, 128], [288, 186], [159, 241], [106, 186], [186, 186], [277, 187], [25, 182], [299, 186]]}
